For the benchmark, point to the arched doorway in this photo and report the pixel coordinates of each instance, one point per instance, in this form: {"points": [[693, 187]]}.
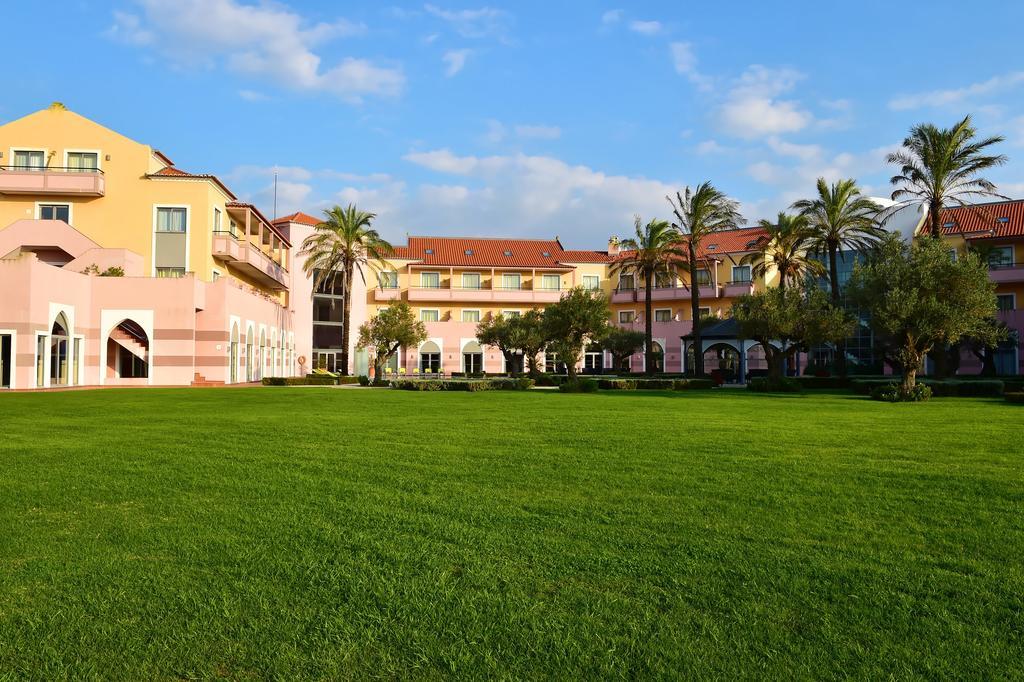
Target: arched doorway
{"points": [[658, 356], [722, 362], [593, 359], [261, 359], [60, 342], [430, 357], [233, 354], [250, 339], [472, 358], [127, 351]]}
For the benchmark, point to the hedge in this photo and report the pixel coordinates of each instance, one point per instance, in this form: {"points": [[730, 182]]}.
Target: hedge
{"points": [[309, 380], [813, 382], [579, 386], [1015, 397], [780, 385], [655, 384], [946, 388], [471, 385], [1013, 385]]}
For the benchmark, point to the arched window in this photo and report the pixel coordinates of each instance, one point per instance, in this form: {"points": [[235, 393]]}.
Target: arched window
{"points": [[472, 358], [658, 353], [430, 357], [233, 355], [60, 338]]}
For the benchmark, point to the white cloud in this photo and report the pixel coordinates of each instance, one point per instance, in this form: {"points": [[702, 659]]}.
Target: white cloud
{"points": [[612, 16], [539, 132], [647, 28], [709, 147], [473, 23], [252, 96], [752, 108], [804, 152], [685, 62], [265, 41], [291, 197], [496, 132], [455, 61], [520, 194], [941, 98]]}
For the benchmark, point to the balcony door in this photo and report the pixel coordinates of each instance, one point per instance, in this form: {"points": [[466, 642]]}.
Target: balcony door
{"points": [[26, 159], [512, 281]]}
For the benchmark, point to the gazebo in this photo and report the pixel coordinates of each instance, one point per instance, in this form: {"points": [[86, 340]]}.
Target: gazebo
{"points": [[723, 334]]}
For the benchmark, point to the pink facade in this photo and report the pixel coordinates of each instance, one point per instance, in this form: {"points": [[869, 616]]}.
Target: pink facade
{"points": [[61, 327]]}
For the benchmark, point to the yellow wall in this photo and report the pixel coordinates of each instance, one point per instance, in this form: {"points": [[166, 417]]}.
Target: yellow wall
{"points": [[124, 217]]}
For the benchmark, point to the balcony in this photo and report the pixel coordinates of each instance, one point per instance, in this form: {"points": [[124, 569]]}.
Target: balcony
{"points": [[387, 294], [1006, 272], [52, 181], [247, 258], [734, 289], [663, 294], [523, 294]]}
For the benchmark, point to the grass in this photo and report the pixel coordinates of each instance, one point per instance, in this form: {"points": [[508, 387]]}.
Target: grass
{"points": [[326, 533]]}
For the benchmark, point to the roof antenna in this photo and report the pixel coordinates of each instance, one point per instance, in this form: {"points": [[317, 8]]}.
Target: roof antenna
{"points": [[275, 192]]}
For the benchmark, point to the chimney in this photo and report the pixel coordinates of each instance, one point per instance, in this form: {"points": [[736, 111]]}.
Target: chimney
{"points": [[613, 246]]}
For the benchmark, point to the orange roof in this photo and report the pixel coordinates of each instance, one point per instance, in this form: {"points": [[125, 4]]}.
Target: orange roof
{"points": [[995, 220], [585, 257], [172, 172], [300, 218], [484, 252], [724, 242]]}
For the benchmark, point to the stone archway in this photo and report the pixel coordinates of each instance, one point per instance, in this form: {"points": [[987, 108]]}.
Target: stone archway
{"points": [[128, 356]]}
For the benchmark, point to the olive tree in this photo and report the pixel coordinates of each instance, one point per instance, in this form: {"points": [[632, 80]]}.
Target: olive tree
{"points": [[392, 328], [580, 317]]}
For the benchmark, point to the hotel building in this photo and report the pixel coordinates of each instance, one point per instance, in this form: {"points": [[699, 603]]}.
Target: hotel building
{"points": [[118, 268]]}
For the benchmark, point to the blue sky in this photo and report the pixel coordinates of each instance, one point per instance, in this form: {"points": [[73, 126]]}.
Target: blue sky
{"points": [[526, 118]]}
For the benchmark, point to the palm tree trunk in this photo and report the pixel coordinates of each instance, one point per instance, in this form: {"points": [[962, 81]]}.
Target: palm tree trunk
{"points": [[833, 275], [346, 323], [934, 207], [648, 326], [698, 349]]}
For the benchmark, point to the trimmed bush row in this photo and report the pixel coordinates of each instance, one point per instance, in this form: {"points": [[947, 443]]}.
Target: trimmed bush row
{"points": [[471, 385], [890, 393], [947, 388], [654, 384], [310, 380], [812, 382], [781, 385], [579, 386], [1015, 397]]}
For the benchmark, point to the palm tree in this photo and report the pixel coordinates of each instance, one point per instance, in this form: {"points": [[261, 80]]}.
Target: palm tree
{"points": [[342, 245], [788, 251], [940, 167], [651, 253], [841, 219], [700, 213]]}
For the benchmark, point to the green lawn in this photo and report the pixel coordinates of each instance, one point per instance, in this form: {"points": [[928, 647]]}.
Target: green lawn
{"points": [[326, 533]]}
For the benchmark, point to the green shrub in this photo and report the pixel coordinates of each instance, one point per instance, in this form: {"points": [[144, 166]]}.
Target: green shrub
{"points": [[769, 385], [579, 386], [617, 384], [471, 385], [1013, 384], [347, 380], [692, 384], [319, 380], [891, 393], [654, 384], [516, 384], [275, 381], [946, 388], [1015, 397], [814, 382], [308, 380], [364, 380], [551, 379]]}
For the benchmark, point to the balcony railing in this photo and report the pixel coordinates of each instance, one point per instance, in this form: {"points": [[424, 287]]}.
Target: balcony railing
{"points": [[672, 293], [52, 180], [249, 258], [1006, 272], [499, 292]]}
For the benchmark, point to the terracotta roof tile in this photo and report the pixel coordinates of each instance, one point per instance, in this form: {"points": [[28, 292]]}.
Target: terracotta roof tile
{"points": [[483, 252], [739, 240], [585, 257], [300, 218], [171, 171], [259, 216], [996, 220]]}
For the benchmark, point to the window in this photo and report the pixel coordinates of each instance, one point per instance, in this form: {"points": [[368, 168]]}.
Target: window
{"points": [[511, 280], [703, 277], [471, 280], [1000, 257], [664, 315], [429, 252], [430, 280], [388, 279], [593, 360], [328, 310], [704, 312], [591, 282], [1005, 302], [430, 315], [627, 282], [216, 220], [626, 316], [741, 274], [663, 280], [170, 272], [470, 315], [468, 252], [508, 254], [511, 313], [25, 159], [952, 255], [83, 162], [55, 212], [552, 364], [233, 228], [170, 219], [545, 254], [550, 283]]}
